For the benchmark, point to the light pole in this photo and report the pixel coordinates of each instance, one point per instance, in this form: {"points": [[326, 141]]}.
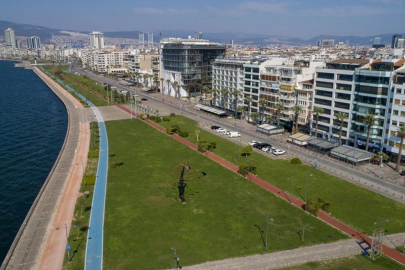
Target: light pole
{"points": [[176, 258], [292, 185], [267, 226], [67, 244], [306, 182], [381, 222]]}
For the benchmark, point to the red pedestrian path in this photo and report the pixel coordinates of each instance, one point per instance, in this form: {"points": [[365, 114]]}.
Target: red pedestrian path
{"points": [[359, 236]]}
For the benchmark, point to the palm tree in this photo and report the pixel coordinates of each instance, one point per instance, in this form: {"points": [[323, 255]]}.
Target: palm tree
{"points": [[369, 120], [176, 84], [224, 95], [262, 104], [297, 109], [279, 106], [248, 100], [235, 94], [168, 86], [156, 80], [254, 116], [401, 134], [341, 116], [241, 110], [317, 111], [161, 83]]}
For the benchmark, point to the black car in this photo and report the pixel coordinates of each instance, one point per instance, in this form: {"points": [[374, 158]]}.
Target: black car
{"points": [[215, 127], [402, 173], [261, 145], [144, 99]]}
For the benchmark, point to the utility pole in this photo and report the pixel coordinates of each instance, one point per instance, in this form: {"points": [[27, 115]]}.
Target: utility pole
{"points": [[306, 182], [267, 227]]}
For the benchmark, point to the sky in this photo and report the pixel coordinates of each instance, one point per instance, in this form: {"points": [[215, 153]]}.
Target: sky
{"points": [[293, 18]]}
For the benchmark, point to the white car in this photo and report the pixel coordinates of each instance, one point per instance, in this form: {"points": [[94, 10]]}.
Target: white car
{"points": [[221, 130], [268, 149], [278, 152], [234, 134], [253, 143]]}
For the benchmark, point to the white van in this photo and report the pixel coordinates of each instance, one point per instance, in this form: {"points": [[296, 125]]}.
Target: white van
{"points": [[234, 134]]}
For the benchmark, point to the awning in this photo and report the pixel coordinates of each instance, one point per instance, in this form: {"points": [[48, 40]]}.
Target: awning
{"points": [[210, 110]]}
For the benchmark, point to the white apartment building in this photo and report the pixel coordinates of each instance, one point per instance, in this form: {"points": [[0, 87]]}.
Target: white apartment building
{"points": [[334, 92], [10, 38], [289, 83], [227, 82], [97, 40], [104, 61]]}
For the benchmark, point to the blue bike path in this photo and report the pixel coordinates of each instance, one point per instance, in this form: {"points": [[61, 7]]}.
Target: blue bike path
{"points": [[94, 247]]}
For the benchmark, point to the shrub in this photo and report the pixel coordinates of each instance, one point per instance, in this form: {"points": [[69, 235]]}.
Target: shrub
{"points": [[244, 169], [247, 150], [152, 117], [325, 205], [172, 114], [296, 161], [116, 164], [176, 129], [183, 134], [169, 130], [89, 180], [204, 145], [111, 155], [312, 207], [93, 154], [166, 119]]}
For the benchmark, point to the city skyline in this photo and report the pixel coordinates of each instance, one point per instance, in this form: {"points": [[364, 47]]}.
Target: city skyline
{"points": [[292, 18]]}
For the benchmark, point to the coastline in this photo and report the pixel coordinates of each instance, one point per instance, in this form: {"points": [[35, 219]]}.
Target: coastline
{"points": [[32, 237]]}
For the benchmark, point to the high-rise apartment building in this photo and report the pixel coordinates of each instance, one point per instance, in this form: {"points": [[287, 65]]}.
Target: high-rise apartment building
{"points": [[326, 43], [34, 42], [141, 40], [394, 40], [227, 82], [97, 40], [10, 38], [150, 39], [334, 93], [188, 62]]}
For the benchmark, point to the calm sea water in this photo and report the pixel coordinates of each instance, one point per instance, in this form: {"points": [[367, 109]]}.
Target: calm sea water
{"points": [[33, 123]]}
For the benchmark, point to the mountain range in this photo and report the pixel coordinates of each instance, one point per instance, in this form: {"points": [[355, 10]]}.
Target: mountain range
{"points": [[46, 33]]}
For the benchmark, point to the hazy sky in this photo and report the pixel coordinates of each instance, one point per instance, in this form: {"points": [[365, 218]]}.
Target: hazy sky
{"points": [[297, 18]]}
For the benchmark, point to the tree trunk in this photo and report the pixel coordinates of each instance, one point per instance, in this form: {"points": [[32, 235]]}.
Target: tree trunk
{"points": [[316, 127], [399, 154], [278, 118], [340, 133], [368, 136]]}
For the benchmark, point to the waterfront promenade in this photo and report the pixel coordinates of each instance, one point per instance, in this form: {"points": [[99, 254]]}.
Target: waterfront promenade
{"points": [[43, 232]]}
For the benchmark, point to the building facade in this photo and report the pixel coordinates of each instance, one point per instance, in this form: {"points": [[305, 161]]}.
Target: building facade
{"points": [[34, 42], [97, 40], [10, 38]]}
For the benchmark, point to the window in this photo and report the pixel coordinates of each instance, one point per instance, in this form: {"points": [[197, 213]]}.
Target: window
{"points": [[394, 123], [342, 105], [403, 102], [395, 112], [396, 102], [323, 102], [341, 86], [326, 75], [324, 84], [391, 143], [343, 96], [343, 77], [324, 93], [248, 69], [398, 91], [392, 133], [402, 113]]}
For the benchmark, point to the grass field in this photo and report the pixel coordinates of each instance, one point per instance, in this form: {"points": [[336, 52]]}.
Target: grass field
{"points": [[357, 262], [354, 205], [96, 100], [223, 216]]}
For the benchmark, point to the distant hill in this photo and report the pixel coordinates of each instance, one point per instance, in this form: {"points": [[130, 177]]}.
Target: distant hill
{"points": [[240, 38]]}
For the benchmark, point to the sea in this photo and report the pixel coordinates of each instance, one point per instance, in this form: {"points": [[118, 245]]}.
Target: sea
{"points": [[33, 125]]}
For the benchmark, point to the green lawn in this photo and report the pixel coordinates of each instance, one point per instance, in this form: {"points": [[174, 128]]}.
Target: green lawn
{"points": [[223, 216], [354, 205], [357, 262], [96, 100]]}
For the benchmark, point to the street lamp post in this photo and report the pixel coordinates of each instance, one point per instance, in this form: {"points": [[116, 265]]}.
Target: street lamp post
{"points": [[67, 244], [176, 258], [306, 182], [381, 222], [267, 226]]}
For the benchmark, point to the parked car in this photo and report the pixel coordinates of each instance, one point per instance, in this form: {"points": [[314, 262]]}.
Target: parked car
{"points": [[144, 99], [234, 134], [215, 127], [402, 173], [261, 145], [268, 149], [220, 130], [252, 143], [278, 152]]}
